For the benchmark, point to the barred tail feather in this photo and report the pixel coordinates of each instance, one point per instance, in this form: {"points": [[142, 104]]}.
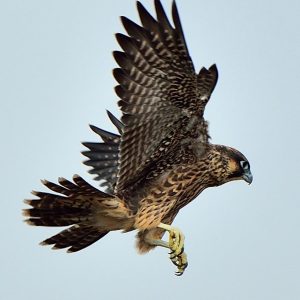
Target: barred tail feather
{"points": [[71, 208], [78, 204], [75, 238]]}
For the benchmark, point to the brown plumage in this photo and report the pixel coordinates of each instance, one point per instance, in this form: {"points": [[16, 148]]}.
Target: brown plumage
{"points": [[162, 158]]}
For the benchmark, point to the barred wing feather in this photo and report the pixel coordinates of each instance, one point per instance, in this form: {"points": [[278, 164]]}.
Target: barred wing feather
{"points": [[161, 96], [103, 156]]}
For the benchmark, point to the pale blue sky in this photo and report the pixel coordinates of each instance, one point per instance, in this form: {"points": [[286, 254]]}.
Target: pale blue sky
{"points": [[242, 241]]}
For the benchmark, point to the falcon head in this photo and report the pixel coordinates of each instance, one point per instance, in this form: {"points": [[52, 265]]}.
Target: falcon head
{"points": [[228, 164], [237, 166]]}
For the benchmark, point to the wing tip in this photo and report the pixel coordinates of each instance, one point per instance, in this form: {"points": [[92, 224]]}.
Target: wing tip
{"points": [[76, 176], [213, 68]]}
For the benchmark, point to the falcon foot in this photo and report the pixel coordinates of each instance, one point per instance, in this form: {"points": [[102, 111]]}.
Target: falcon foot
{"points": [[176, 245], [181, 263]]}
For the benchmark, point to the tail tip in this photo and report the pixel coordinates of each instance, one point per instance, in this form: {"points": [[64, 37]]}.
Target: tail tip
{"points": [[55, 247], [25, 212], [27, 201], [35, 193], [43, 243], [29, 222]]}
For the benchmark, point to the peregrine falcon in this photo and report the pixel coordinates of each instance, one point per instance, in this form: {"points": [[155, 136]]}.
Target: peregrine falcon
{"points": [[162, 158]]}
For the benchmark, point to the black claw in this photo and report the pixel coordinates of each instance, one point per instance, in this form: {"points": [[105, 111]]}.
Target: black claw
{"points": [[177, 255], [175, 263], [182, 250], [183, 267], [173, 256]]}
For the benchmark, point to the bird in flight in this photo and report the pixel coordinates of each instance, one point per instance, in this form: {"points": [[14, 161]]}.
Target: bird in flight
{"points": [[162, 158]]}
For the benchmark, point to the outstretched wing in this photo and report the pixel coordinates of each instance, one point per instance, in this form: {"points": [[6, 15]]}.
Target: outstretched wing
{"points": [[103, 156], [162, 98]]}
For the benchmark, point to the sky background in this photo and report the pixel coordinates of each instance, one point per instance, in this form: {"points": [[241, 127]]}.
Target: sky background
{"points": [[242, 241]]}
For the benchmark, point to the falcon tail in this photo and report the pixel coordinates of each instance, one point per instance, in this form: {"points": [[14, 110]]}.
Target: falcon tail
{"points": [[90, 212]]}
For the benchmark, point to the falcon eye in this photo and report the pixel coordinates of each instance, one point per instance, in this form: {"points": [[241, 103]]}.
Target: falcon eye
{"points": [[245, 165]]}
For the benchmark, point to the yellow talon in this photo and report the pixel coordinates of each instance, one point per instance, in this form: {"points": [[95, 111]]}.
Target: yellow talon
{"points": [[176, 245], [182, 265], [176, 242]]}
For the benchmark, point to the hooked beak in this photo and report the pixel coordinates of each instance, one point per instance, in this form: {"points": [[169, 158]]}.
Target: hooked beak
{"points": [[248, 177]]}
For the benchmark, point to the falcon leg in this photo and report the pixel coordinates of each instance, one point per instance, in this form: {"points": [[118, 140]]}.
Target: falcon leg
{"points": [[176, 245], [176, 239], [159, 243]]}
